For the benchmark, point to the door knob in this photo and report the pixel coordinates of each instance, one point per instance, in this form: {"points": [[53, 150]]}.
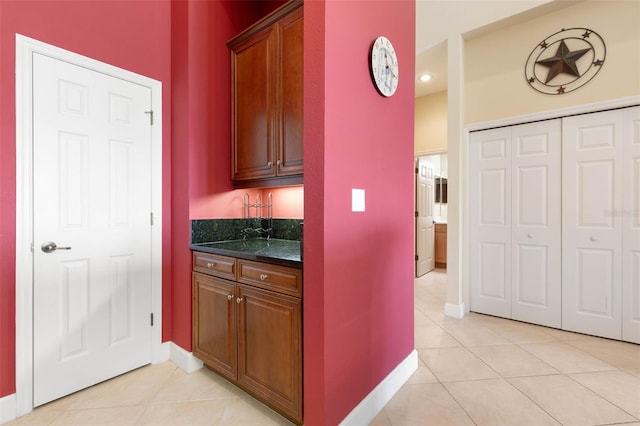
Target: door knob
{"points": [[50, 247]]}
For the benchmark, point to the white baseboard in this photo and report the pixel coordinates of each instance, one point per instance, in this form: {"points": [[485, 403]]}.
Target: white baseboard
{"points": [[8, 408], [455, 311], [373, 403], [161, 353], [183, 359]]}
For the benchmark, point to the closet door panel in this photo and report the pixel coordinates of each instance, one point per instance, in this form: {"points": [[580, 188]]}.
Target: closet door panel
{"points": [[591, 229], [490, 222], [536, 230], [631, 225]]}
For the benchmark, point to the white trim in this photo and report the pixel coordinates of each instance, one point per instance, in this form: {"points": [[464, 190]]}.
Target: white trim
{"points": [[8, 408], [510, 121], [373, 403], [453, 310], [25, 48], [430, 152], [183, 359]]}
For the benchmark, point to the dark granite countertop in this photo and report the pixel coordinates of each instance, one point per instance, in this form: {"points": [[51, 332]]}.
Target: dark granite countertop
{"points": [[280, 252]]}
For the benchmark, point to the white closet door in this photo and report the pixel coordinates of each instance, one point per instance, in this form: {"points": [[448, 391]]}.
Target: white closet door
{"points": [[591, 227], [536, 231], [490, 221], [631, 225]]}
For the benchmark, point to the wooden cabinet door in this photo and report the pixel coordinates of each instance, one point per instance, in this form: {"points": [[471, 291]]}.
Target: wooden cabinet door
{"points": [[214, 323], [269, 348], [440, 245], [252, 83], [290, 146]]}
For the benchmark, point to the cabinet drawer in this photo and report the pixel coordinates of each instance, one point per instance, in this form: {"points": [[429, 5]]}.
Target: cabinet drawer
{"points": [[213, 264], [271, 277]]}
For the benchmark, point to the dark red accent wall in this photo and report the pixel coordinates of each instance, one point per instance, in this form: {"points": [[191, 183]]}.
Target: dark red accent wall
{"points": [[201, 129], [358, 310], [134, 35], [358, 278]]}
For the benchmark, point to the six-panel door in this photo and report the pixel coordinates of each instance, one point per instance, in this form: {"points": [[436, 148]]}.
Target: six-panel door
{"points": [[515, 222]]}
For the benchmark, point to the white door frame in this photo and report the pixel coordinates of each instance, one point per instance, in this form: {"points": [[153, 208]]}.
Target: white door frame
{"points": [[25, 48]]}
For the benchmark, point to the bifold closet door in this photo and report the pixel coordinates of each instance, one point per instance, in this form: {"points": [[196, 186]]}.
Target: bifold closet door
{"points": [[515, 222], [631, 225], [536, 231], [490, 221], [592, 223]]}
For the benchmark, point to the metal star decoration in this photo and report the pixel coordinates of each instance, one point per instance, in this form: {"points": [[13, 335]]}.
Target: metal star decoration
{"points": [[565, 70], [564, 61]]}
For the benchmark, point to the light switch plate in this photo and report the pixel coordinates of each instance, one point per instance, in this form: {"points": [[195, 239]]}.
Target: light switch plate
{"points": [[357, 200]]}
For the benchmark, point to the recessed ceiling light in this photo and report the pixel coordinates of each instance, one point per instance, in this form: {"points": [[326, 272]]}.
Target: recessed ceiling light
{"points": [[424, 77]]}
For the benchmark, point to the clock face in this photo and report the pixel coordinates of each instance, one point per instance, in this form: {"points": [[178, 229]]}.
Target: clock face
{"points": [[384, 66]]}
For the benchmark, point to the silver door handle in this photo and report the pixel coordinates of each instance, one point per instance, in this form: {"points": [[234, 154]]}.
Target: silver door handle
{"points": [[50, 247]]}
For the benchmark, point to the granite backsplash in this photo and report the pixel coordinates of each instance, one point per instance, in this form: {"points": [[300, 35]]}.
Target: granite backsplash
{"points": [[210, 230]]}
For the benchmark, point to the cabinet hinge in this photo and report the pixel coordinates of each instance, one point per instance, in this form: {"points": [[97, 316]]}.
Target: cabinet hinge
{"points": [[151, 319], [416, 214], [416, 257], [151, 218], [150, 112], [416, 170]]}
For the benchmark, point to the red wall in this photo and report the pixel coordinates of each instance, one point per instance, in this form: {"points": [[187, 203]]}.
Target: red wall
{"points": [[358, 278], [201, 175], [134, 35], [358, 266]]}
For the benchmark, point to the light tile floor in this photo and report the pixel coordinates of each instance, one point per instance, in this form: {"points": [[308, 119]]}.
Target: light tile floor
{"points": [[485, 370], [478, 370]]}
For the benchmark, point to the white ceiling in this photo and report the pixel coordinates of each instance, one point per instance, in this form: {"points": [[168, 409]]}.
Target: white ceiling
{"points": [[437, 20]]}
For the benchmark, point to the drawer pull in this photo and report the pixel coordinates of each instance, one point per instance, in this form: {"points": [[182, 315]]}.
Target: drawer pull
{"points": [[263, 277], [211, 265], [230, 297], [238, 300]]}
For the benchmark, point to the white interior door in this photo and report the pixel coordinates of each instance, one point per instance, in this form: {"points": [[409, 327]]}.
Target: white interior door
{"points": [[92, 198], [490, 222], [424, 216], [536, 230], [591, 224], [631, 225]]}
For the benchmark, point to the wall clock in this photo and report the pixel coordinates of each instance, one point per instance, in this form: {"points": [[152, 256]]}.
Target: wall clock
{"points": [[383, 65], [565, 61]]}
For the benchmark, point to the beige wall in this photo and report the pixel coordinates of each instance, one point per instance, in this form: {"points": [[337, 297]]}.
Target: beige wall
{"points": [[431, 123], [495, 86]]}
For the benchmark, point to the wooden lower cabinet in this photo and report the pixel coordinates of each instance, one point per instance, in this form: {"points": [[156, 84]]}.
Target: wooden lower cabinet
{"points": [[269, 348], [214, 324], [252, 337], [440, 245]]}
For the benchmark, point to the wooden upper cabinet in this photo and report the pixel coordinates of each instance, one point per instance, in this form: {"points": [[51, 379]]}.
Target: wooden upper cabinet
{"points": [[290, 146], [266, 100]]}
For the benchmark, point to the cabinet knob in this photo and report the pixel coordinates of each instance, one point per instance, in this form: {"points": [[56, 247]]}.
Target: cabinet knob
{"points": [[269, 163], [530, 235], [279, 163], [263, 277], [210, 265], [229, 296], [238, 299], [593, 238]]}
